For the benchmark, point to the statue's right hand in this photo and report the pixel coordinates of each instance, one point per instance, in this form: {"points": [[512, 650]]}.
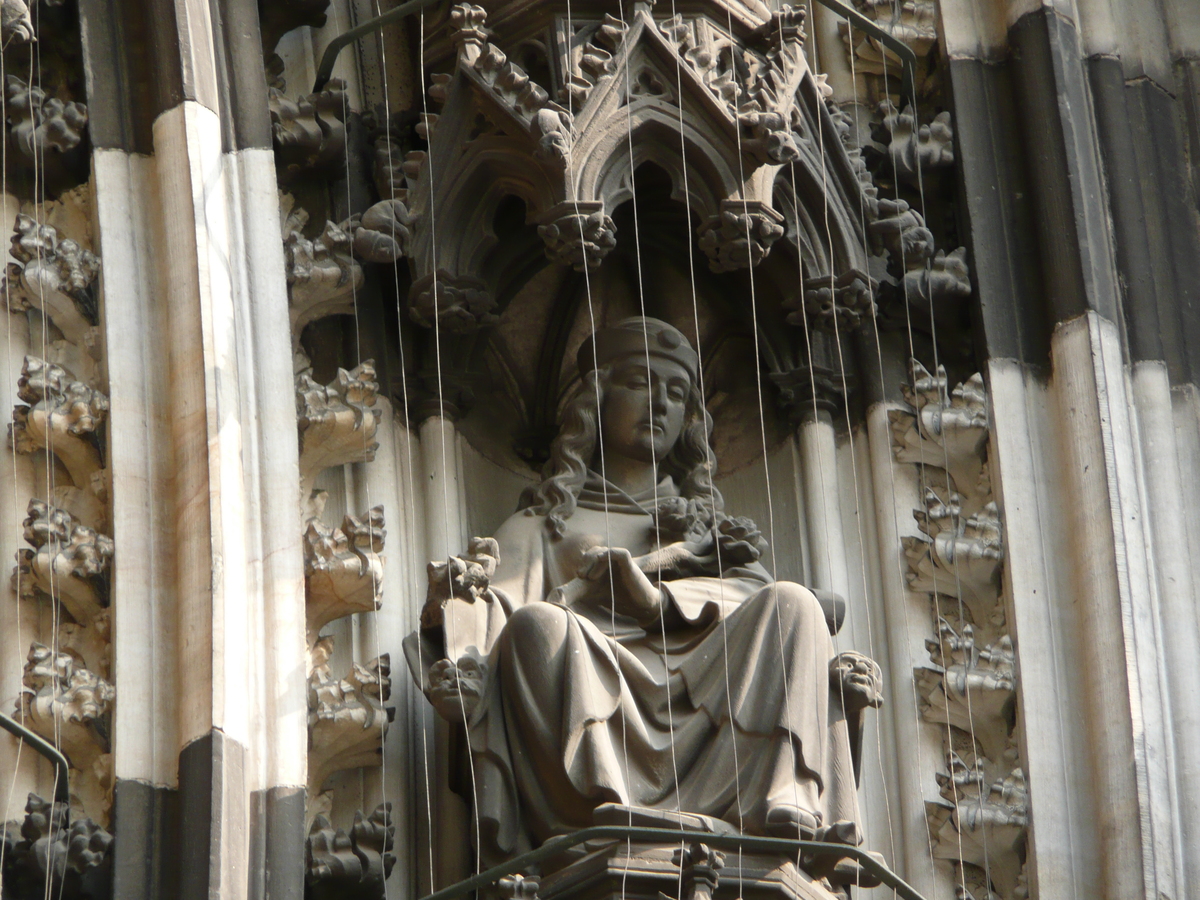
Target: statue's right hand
{"points": [[456, 689]]}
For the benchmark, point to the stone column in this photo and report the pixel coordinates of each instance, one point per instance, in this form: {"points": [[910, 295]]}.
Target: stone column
{"points": [[212, 737]]}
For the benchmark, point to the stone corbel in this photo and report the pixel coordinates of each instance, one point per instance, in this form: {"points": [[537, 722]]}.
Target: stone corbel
{"points": [[352, 866], [343, 573], [946, 429], [43, 853], [741, 235], [40, 124], [578, 234], [69, 705], [337, 421], [62, 415], [959, 556], [309, 133], [346, 718], [54, 277]]}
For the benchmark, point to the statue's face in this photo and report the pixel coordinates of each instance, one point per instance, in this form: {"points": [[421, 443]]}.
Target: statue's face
{"points": [[644, 408]]}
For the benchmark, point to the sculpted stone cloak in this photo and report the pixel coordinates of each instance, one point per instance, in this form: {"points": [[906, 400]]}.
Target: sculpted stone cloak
{"points": [[721, 707]]}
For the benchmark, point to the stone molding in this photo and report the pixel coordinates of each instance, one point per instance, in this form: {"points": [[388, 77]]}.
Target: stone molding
{"points": [[980, 820]]}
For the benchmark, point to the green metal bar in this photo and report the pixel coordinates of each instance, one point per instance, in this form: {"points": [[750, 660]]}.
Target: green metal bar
{"points": [[62, 791], [669, 836], [343, 40], [907, 56]]}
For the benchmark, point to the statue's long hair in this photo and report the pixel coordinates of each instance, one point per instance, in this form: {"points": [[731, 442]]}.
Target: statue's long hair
{"points": [[691, 461]]}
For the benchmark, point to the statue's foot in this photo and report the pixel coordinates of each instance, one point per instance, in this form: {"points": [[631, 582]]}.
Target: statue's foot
{"points": [[792, 822]]}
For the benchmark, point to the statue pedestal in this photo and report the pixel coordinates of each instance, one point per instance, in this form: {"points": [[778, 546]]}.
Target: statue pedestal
{"points": [[640, 871]]}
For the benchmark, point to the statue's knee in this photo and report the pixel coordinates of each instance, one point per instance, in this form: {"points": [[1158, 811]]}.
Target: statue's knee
{"points": [[537, 628], [796, 603]]}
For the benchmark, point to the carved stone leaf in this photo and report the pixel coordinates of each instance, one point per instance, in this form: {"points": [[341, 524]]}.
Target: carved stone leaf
{"points": [[62, 414], [15, 24], [70, 562], [54, 276], [337, 421], [40, 123], [346, 716], [43, 854], [342, 569], [351, 866]]}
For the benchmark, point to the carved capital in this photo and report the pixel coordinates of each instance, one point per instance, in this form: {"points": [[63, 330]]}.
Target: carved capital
{"points": [[740, 236], [337, 421], [578, 234], [342, 569], [63, 415], [53, 276], [458, 304], [958, 556], [346, 716], [979, 823], [350, 866], [973, 689], [912, 22]]}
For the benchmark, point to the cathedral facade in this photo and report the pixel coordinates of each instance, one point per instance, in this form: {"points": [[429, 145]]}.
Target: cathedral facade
{"points": [[346, 566]]}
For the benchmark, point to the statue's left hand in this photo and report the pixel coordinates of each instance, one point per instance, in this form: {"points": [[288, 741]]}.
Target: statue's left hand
{"points": [[633, 593]]}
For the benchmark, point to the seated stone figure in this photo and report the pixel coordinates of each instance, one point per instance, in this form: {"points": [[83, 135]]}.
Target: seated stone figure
{"points": [[618, 642]]}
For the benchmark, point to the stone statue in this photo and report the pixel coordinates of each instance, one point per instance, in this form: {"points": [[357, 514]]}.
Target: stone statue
{"points": [[618, 641]]}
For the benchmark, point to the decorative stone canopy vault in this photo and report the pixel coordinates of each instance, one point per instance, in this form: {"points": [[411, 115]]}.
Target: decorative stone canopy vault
{"points": [[719, 96]]}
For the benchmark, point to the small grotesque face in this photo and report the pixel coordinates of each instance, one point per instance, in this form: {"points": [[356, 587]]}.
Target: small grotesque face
{"points": [[858, 679], [644, 408]]}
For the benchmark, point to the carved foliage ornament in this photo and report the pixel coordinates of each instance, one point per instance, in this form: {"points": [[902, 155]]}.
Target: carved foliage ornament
{"points": [[52, 275], [42, 853], [970, 693], [354, 865]]}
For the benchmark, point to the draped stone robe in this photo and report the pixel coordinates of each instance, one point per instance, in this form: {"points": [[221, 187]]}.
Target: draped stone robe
{"points": [[721, 707]]}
